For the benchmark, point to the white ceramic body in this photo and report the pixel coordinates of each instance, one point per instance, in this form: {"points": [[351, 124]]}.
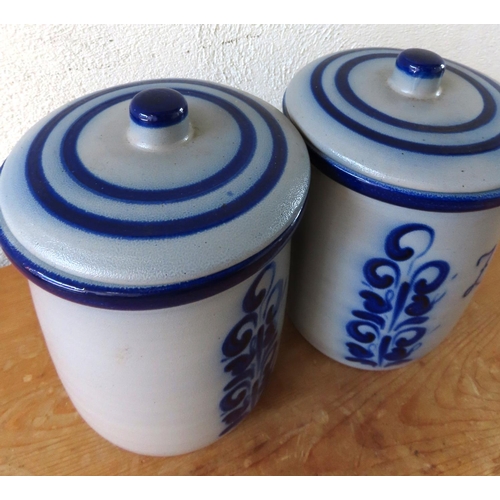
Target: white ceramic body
{"points": [[342, 234], [153, 382]]}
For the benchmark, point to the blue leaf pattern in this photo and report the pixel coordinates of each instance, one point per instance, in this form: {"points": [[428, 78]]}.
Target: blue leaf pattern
{"points": [[400, 293], [250, 348]]}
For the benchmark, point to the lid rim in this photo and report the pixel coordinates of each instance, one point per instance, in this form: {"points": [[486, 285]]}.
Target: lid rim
{"points": [[401, 196], [148, 297]]}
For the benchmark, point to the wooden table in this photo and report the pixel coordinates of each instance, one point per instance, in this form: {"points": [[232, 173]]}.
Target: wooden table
{"points": [[440, 415]]}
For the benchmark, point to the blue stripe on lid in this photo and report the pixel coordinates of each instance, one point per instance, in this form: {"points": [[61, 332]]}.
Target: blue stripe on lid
{"points": [[69, 213], [487, 113], [345, 91], [75, 167]]}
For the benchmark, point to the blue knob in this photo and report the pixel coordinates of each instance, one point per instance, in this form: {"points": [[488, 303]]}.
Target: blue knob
{"points": [[158, 108], [420, 63]]}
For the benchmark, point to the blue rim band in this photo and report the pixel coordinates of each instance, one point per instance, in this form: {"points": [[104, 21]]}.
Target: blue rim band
{"points": [[145, 298], [400, 196]]}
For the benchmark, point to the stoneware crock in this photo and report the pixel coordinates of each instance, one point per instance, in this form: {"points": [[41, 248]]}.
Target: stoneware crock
{"points": [[153, 223], [403, 214]]}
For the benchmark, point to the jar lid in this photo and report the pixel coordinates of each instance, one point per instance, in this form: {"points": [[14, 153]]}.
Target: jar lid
{"points": [[405, 127], [162, 192]]}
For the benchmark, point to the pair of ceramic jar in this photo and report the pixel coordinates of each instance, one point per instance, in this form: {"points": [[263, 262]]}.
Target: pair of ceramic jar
{"points": [[154, 219]]}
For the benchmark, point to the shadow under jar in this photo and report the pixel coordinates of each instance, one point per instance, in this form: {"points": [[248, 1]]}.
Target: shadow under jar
{"points": [[403, 215], [153, 221]]}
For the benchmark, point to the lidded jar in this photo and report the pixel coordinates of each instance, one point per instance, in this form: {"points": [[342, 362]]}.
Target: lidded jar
{"points": [[403, 215], [153, 222]]}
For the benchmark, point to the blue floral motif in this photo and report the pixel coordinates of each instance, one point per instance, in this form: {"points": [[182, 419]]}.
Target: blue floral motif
{"points": [[400, 293], [484, 260], [250, 348]]}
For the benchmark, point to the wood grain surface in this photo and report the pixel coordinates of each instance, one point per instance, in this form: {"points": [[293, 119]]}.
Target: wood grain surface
{"points": [[438, 416]]}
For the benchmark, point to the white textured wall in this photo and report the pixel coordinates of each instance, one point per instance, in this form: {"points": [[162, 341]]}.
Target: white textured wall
{"points": [[45, 66]]}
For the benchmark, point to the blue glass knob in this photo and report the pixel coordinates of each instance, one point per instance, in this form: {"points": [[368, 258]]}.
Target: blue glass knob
{"points": [[158, 119], [420, 63], [417, 74], [158, 108]]}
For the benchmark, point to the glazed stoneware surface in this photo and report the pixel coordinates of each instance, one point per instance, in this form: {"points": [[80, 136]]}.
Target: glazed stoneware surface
{"points": [[172, 380], [153, 222], [403, 214]]}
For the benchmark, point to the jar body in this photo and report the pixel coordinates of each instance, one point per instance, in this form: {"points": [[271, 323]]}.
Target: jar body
{"points": [[168, 381], [375, 285]]}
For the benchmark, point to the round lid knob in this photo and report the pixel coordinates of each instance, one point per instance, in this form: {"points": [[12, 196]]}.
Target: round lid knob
{"points": [[417, 73], [159, 118]]}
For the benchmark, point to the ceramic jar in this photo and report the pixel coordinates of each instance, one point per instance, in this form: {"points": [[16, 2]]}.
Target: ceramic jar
{"points": [[403, 214], [153, 222]]}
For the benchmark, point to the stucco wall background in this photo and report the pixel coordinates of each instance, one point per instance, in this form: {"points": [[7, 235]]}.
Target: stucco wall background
{"points": [[44, 66]]}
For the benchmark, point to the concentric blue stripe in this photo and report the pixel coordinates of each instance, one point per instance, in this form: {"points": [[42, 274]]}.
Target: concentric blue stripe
{"points": [[73, 164], [404, 197], [485, 116], [144, 298], [341, 80], [65, 211]]}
